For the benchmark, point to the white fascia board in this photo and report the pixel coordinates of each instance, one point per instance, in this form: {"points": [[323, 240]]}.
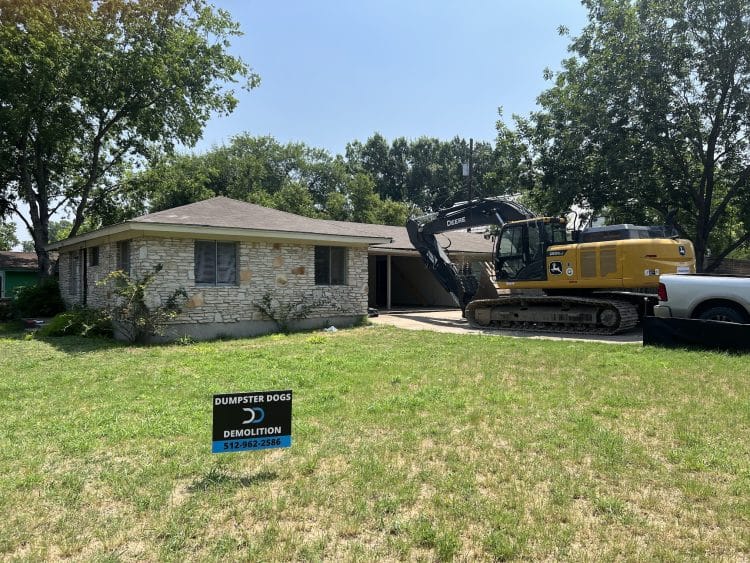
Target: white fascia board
{"points": [[127, 230]]}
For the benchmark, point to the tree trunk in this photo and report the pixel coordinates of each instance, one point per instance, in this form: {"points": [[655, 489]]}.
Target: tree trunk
{"points": [[40, 235]]}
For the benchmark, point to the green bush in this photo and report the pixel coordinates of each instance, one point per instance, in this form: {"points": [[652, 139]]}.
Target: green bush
{"points": [[78, 322], [41, 300], [136, 321], [7, 312]]}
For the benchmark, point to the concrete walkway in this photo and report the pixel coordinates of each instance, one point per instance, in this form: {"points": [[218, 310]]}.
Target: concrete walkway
{"points": [[449, 320]]}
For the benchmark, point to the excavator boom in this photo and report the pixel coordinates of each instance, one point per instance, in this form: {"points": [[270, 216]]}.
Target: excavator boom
{"points": [[463, 215]]}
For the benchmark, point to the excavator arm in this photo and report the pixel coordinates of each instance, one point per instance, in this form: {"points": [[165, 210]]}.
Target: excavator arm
{"points": [[464, 215]]}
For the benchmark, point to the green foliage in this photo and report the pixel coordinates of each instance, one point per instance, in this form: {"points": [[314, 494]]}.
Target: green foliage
{"points": [[8, 238], [284, 313], [59, 230], [89, 89], [427, 172], [7, 312], [291, 177], [132, 317], [649, 114], [80, 321], [41, 300]]}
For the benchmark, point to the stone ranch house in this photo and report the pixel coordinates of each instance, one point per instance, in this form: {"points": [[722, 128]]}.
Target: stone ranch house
{"points": [[227, 255]]}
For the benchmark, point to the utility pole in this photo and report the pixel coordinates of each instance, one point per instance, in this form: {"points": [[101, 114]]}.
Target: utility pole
{"points": [[471, 164], [467, 170]]}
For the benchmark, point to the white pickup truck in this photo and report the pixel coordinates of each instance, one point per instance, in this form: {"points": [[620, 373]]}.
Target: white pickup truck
{"points": [[701, 296]]}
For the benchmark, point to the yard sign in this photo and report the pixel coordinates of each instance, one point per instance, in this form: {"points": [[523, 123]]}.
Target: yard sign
{"points": [[257, 420]]}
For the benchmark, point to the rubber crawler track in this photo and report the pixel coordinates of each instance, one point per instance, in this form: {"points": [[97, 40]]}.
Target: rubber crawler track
{"points": [[626, 312]]}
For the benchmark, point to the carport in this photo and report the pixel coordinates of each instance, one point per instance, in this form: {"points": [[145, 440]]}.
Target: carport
{"points": [[399, 278]]}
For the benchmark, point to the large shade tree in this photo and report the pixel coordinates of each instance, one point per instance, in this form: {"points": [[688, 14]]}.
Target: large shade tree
{"points": [[428, 172], [652, 113], [90, 87], [292, 177]]}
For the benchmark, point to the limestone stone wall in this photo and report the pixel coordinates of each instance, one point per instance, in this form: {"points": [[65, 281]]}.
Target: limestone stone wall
{"points": [[70, 278], [285, 271], [71, 271]]}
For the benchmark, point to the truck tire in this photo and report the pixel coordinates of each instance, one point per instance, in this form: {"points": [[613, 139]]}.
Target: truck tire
{"points": [[723, 313]]}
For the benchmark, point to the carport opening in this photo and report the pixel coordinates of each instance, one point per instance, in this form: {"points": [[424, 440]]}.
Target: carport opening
{"points": [[413, 285]]}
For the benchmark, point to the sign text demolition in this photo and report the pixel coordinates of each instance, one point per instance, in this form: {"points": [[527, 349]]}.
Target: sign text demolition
{"points": [[252, 421]]}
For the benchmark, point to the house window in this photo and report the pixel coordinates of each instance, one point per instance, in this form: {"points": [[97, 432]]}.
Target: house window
{"points": [[215, 262], [123, 256], [94, 256], [330, 265]]}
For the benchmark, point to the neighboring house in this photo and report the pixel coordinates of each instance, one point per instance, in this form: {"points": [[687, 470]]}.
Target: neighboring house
{"points": [[228, 254], [17, 269]]}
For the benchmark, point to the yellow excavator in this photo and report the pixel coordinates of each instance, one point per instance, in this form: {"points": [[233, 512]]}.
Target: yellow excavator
{"points": [[599, 280]]}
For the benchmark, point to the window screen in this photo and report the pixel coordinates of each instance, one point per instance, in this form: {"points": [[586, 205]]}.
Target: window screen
{"points": [[215, 262], [330, 265]]}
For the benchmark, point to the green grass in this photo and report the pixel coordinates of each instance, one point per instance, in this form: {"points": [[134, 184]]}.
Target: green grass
{"points": [[406, 446]]}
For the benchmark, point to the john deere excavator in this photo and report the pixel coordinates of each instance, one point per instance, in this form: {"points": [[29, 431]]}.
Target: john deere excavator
{"points": [[597, 280]]}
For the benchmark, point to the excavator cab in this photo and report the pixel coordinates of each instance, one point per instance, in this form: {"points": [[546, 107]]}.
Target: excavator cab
{"points": [[521, 248]]}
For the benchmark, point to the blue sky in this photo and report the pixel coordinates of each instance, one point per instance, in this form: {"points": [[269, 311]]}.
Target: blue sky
{"points": [[335, 71]]}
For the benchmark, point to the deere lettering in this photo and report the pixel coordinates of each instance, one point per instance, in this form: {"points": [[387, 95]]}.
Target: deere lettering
{"points": [[456, 221]]}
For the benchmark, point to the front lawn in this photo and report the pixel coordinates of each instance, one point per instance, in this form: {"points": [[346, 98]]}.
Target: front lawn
{"points": [[406, 445]]}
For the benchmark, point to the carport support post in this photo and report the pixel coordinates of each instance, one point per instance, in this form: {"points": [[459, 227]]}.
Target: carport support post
{"points": [[388, 284]]}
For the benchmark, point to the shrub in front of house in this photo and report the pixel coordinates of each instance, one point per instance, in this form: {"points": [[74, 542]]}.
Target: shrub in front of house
{"points": [[133, 319], [6, 310], [41, 300], [80, 321]]}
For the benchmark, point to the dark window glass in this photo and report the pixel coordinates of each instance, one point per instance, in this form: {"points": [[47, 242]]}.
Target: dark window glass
{"points": [[330, 265], [338, 265], [226, 263], [94, 256], [322, 256], [215, 262], [123, 256]]}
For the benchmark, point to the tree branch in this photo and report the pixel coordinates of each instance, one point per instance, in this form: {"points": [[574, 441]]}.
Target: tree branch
{"points": [[14, 208], [727, 251], [742, 181]]}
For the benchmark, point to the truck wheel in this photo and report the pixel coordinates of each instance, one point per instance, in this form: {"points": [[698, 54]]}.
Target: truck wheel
{"points": [[726, 314]]}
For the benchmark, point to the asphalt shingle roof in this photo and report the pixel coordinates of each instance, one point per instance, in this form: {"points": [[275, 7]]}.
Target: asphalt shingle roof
{"points": [[18, 261], [224, 212]]}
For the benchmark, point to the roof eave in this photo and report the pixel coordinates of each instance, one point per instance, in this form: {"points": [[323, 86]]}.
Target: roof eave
{"points": [[122, 230]]}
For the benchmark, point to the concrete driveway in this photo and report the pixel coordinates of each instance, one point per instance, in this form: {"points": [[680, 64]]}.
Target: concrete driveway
{"points": [[449, 320]]}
